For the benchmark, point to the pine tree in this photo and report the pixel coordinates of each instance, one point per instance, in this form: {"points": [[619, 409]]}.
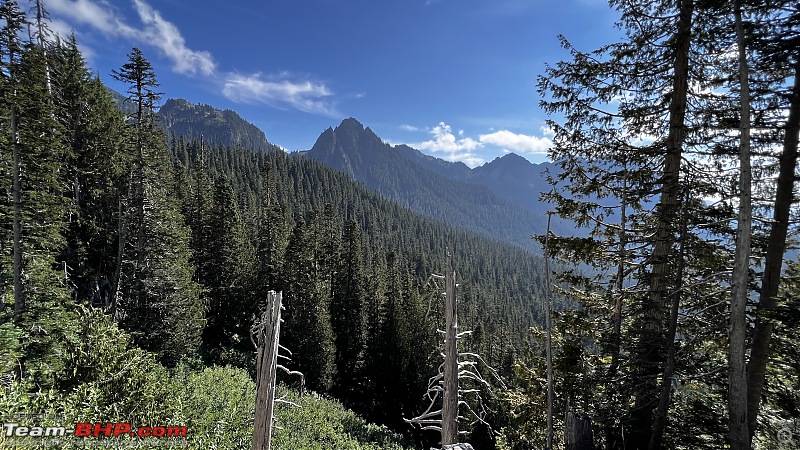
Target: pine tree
{"points": [[635, 138], [348, 317], [158, 300], [229, 276], [93, 172], [11, 49], [308, 323], [776, 38], [44, 326], [138, 73], [375, 299], [273, 233]]}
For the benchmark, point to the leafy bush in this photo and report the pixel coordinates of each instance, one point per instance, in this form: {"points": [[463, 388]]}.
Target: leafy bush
{"points": [[322, 423], [108, 379], [216, 405]]}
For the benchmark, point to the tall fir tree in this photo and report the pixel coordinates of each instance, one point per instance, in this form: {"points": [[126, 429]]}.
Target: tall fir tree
{"points": [[775, 36], [633, 148], [157, 299], [273, 233], [308, 329], [348, 317], [43, 330], [93, 173], [230, 274]]}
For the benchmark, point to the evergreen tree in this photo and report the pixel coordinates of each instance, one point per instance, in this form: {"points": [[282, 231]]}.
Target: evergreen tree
{"points": [[198, 207], [43, 329], [632, 149], [273, 233], [159, 302], [776, 35], [229, 274], [10, 52], [308, 332], [94, 172], [348, 317], [375, 299], [11, 46]]}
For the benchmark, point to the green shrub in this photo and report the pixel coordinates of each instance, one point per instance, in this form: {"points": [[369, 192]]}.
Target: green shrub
{"points": [[322, 423], [216, 405]]}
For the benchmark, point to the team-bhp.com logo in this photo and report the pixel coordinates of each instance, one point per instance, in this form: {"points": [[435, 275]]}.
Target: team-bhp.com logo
{"points": [[86, 429]]}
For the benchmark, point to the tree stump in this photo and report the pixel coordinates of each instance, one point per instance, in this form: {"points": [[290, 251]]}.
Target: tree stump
{"points": [[578, 433]]}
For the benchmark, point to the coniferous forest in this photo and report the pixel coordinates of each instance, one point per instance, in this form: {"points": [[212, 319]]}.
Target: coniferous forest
{"points": [[135, 261]]}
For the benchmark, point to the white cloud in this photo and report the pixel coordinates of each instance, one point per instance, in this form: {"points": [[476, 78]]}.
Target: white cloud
{"points": [[155, 31], [518, 142], [280, 91], [408, 127], [305, 96], [469, 159], [166, 36], [444, 141], [98, 15]]}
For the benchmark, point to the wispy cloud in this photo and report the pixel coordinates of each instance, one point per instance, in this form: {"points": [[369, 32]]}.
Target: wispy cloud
{"points": [[97, 14], [154, 30], [167, 38], [305, 96], [279, 91], [517, 142], [408, 127]]}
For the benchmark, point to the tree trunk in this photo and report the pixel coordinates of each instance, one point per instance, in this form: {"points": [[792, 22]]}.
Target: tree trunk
{"points": [[652, 342], [549, 325], [776, 246], [118, 271], [266, 366], [660, 423], [578, 434], [737, 382], [450, 397], [19, 294], [623, 242]]}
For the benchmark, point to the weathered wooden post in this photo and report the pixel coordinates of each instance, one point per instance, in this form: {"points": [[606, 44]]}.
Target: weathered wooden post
{"points": [[578, 433], [446, 382], [267, 336], [450, 395]]}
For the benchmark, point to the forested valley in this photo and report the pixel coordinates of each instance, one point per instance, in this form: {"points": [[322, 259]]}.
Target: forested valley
{"points": [[134, 262]]}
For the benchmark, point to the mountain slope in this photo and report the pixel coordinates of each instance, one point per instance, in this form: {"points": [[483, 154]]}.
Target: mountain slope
{"points": [[457, 170], [511, 176], [361, 154], [515, 178], [217, 127]]}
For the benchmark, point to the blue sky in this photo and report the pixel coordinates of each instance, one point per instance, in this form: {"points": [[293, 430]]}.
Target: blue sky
{"points": [[454, 78]]}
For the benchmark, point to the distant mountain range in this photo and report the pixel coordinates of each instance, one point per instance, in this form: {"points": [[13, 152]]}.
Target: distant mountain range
{"points": [[499, 199], [193, 121], [220, 127], [510, 176]]}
